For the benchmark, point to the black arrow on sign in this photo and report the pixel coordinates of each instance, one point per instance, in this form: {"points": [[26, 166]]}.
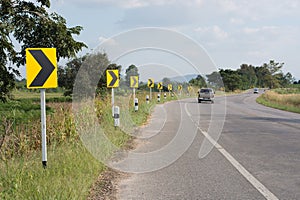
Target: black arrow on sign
{"points": [[150, 82], [114, 78], [47, 68], [134, 81], [159, 85]]}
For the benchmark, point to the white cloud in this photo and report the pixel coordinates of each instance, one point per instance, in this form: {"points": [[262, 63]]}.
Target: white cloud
{"points": [[275, 30], [259, 54], [128, 4], [257, 10], [236, 21], [215, 31], [108, 41], [219, 33], [248, 30], [228, 5]]}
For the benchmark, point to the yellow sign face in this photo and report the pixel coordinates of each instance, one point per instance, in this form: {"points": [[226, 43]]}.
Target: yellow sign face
{"points": [[179, 87], [190, 88], [150, 83], [134, 81], [160, 86], [112, 78], [170, 87], [41, 68]]}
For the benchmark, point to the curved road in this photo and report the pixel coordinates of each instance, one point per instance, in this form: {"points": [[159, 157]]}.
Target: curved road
{"points": [[257, 155]]}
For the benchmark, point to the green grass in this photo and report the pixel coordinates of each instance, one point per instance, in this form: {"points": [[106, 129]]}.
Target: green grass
{"points": [[34, 96], [72, 170], [70, 173], [17, 94], [20, 111]]}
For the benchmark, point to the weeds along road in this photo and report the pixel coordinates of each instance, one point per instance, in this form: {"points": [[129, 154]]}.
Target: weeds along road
{"points": [[256, 157]]}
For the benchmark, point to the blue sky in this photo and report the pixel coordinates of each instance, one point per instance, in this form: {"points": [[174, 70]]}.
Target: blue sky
{"points": [[232, 32]]}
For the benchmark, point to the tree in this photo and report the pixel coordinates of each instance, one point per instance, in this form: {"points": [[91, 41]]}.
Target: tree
{"points": [[232, 80], [288, 79], [263, 76], [166, 81], [199, 81], [215, 79], [31, 25], [67, 74], [7, 82], [92, 68], [132, 70], [274, 67], [248, 76], [284, 79], [270, 75]]}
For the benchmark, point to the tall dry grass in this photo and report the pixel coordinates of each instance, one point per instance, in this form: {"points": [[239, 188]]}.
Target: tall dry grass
{"points": [[284, 99], [288, 102], [21, 138]]}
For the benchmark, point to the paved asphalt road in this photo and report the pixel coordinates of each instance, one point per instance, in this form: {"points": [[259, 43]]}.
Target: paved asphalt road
{"points": [[256, 157]]}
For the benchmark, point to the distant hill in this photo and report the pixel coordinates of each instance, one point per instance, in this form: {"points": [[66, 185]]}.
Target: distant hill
{"points": [[185, 78]]}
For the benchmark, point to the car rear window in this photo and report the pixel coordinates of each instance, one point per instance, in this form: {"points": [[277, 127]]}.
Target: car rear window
{"points": [[205, 90]]}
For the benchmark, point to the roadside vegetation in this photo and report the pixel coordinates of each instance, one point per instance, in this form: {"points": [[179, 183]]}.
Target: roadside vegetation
{"points": [[285, 99], [71, 170]]}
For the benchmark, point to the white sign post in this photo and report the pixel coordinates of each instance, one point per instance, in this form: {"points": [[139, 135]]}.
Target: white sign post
{"points": [[112, 100], [133, 90], [43, 123], [136, 104]]}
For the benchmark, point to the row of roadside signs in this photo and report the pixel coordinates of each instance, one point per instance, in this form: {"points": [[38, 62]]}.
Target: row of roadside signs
{"points": [[113, 81], [41, 72]]}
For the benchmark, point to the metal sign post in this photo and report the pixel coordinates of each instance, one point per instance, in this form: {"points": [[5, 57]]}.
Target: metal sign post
{"points": [[134, 83], [133, 90], [159, 94], [43, 125], [116, 111], [112, 100], [136, 104]]}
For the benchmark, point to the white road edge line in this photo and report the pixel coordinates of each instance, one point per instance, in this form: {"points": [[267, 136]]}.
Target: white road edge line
{"points": [[258, 185]]}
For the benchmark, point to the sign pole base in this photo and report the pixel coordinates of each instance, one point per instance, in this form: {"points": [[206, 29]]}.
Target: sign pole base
{"points": [[44, 164]]}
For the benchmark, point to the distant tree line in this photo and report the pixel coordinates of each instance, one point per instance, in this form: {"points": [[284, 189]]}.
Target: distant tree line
{"points": [[269, 75]]}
